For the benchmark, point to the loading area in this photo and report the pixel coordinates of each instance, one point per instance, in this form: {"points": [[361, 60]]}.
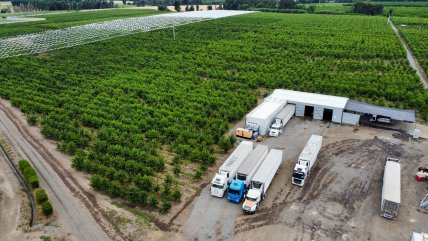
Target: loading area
{"points": [[272, 114]]}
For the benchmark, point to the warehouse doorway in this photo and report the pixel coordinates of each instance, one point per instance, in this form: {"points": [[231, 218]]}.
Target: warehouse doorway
{"points": [[309, 111], [327, 115]]}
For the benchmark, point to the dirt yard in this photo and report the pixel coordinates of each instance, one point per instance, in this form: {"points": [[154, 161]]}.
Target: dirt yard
{"points": [[341, 201]]}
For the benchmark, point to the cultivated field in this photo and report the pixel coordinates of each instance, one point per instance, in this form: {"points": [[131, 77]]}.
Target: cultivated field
{"points": [[415, 32], [69, 19], [142, 116], [137, 109]]}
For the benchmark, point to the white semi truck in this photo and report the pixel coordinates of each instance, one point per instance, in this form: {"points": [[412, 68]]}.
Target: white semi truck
{"points": [[239, 186], [262, 180], [281, 120], [391, 189], [228, 170], [307, 160]]}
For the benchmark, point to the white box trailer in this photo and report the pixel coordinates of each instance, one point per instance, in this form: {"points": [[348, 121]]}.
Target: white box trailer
{"points": [[391, 189], [247, 170], [262, 117], [307, 160], [282, 119], [262, 180], [419, 237], [229, 168]]}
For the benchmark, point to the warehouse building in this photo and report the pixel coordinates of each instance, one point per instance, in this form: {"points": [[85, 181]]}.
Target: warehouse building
{"points": [[336, 109], [318, 106]]}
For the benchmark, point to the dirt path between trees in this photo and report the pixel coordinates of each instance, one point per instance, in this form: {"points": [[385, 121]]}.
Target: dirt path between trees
{"points": [[410, 57], [77, 208]]}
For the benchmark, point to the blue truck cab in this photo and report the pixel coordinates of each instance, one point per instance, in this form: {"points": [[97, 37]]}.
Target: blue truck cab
{"points": [[236, 191]]}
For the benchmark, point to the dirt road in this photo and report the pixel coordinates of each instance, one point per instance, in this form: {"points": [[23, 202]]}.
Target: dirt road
{"points": [[77, 209], [10, 203]]}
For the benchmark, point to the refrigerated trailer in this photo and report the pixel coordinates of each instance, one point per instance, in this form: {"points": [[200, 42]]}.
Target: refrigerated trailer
{"points": [[261, 118], [262, 180], [239, 186], [306, 160], [391, 189], [228, 170]]}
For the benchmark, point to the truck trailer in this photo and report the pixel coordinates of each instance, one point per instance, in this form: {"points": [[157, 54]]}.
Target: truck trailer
{"points": [[262, 180], [281, 120], [261, 118], [228, 170], [307, 160], [239, 186], [391, 189]]}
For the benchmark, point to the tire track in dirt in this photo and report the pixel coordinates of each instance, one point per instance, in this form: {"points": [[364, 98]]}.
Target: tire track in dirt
{"points": [[366, 155], [87, 198]]}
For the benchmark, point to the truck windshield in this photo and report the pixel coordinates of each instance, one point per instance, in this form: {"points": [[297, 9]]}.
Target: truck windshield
{"points": [[274, 128], [231, 191], [257, 185], [252, 199], [298, 175], [242, 177], [217, 186]]}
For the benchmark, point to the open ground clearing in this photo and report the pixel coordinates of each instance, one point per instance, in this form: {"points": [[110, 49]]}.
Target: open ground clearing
{"points": [[341, 201]]}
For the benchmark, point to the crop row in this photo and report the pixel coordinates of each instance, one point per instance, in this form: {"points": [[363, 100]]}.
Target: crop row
{"points": [[415, 33], [116, 104]]}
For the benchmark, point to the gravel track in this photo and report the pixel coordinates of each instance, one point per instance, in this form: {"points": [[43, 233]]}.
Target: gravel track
{"points": [[77, 208]]}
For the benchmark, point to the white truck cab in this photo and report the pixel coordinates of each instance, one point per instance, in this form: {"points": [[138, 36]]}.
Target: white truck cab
{"points": [[218, 185], [306, 160], [252, 201], [276, 129]]}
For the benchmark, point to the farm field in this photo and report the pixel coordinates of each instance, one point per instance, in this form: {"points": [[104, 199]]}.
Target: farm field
{"points": [[137, 109], [400, 9], [415, 32], [69, 19]]}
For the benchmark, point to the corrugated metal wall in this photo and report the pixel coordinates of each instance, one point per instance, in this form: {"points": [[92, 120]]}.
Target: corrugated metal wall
{"points": [[351, 119]]}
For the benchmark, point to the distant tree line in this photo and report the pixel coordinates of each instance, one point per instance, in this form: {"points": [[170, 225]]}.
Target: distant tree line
{"points": [[367, 8], [292, 6], [52, 5]]}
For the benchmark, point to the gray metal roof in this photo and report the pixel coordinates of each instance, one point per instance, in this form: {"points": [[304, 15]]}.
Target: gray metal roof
{"points": [[393, 113]]}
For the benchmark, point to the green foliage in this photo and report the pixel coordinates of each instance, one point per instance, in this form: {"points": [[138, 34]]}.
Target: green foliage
{"points": [[163, 8], [166, 206], [209, 7], [29, 173], [177, 5], [177, 170], [31, 119], [311, 9], [367, 8], [226, 142], [47, 208], [153, 201], [182, 95], [198, 174], [45, 238], [176, 195], [286, 4], [41, 196], [64, 5]]}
